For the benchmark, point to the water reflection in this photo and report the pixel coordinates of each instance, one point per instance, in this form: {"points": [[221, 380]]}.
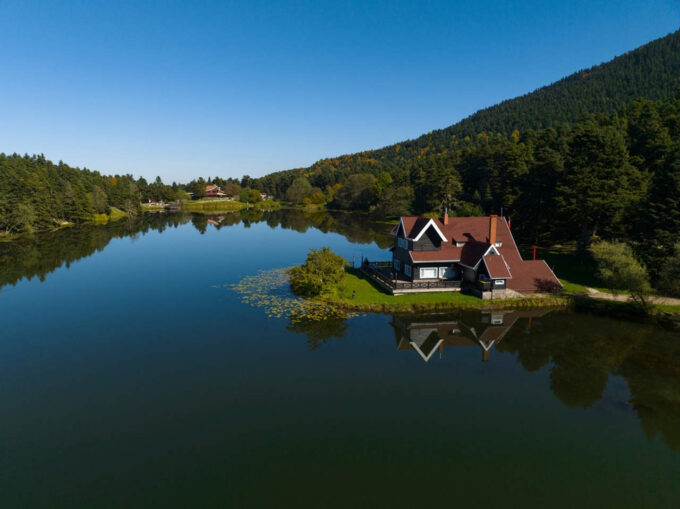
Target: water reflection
{"points": [[427, 334], [44, 253], [576, 354]]}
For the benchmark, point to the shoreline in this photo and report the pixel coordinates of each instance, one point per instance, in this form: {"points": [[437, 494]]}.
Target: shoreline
{"points": [[360, 295]]}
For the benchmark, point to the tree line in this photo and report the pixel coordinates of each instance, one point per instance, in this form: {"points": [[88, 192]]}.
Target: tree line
{"points": [[37, 194], [613, 177]]}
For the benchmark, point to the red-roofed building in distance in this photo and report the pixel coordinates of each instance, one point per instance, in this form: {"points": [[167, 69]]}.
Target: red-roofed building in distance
{"points": [[214, 192], [475, 253]]}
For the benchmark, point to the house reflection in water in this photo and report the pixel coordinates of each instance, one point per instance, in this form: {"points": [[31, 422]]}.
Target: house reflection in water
{"points": [[433, 333]]}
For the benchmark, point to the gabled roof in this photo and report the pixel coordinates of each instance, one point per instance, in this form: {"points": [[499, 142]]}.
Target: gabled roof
{"points": [[415, 227], [497, 267], [521, 275], [472, 253]]}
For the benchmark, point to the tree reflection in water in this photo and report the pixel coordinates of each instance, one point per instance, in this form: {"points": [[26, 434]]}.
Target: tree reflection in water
{"points": [[43, 253], [580, 351]]}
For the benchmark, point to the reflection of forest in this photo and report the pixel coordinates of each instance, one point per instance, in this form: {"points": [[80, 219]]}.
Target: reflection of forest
{"points": [[46, 252], [582, 351], [356, 227]]}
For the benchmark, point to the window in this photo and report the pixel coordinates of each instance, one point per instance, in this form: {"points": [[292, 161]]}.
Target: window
{"points": [[447, 272], [460, 244], [407, 270], [499, 244], [428, 273], [498, 282], [402, 243], [397, 264]]}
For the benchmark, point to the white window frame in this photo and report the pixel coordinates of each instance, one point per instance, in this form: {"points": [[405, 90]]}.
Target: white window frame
{"points": [[498, 282], [428, 268]]}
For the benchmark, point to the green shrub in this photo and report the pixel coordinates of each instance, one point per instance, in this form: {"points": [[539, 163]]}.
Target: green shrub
{"points": [[320, 274]]}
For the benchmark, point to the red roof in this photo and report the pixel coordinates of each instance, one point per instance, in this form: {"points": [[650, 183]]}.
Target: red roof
{"points": [[523, 276], [533, 276], [497, 267], [413, 225]]}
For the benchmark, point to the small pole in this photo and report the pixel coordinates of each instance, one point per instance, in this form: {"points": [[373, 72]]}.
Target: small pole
{"points": [[534, 251]]}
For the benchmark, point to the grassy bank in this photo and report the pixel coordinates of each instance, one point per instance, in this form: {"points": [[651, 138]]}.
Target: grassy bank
{"points": [[357, 292], [98, 219], [207, 206], [114, 215]]}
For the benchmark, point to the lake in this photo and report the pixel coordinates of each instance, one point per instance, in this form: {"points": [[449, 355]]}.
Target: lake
{"points": [[132, 374]]}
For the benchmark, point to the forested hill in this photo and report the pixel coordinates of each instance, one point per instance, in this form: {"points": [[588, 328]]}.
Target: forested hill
{"points": [[596, 155], [651, 72]]}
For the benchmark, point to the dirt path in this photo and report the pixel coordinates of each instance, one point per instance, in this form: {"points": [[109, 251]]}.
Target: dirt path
{"points": [[622, 297]]}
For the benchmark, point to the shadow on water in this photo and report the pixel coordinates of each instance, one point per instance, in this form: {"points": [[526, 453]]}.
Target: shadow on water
{"points": [[46, 252], [580, 355]]}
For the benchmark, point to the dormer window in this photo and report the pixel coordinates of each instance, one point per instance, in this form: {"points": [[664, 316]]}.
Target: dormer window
{"points": [[499, 244], [460, 244]]}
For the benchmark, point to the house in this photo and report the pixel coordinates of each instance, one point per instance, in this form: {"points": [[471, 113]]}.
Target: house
{"points": [[478, 252], [214, 192]]}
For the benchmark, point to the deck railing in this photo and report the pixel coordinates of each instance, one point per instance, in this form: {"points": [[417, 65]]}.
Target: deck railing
{"points": [[377, 270]]}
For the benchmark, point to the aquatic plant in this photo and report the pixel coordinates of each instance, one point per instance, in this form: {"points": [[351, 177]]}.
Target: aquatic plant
{"points": [[270, 290]]}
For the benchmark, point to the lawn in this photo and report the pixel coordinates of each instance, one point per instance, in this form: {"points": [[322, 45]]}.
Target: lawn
{"points": [[359, 292], [114, 215], [226, 205], [570, 287], [212, 206]]}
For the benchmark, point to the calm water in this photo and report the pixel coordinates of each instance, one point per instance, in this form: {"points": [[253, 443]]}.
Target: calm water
{"points": [[131, 376]]}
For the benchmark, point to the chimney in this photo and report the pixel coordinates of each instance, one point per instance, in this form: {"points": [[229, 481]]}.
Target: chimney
{"points": [[446, 217], [492, 228]]}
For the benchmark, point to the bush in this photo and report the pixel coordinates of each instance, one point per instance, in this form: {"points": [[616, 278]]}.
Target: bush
{"points": [[620, 270], [320, 274]]}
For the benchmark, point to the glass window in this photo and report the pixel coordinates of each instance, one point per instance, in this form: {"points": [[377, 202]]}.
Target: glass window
{"points": [[407, 270], [428, 273]]}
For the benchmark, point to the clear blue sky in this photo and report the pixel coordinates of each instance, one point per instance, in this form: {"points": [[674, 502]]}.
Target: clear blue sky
{"points": [[182, 89]]}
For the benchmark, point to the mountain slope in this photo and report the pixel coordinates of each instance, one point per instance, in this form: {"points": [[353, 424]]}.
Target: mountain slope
{"points": [[651, 71]]}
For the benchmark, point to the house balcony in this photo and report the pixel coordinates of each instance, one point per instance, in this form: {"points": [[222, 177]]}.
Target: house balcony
{"points": [[396, 282]]}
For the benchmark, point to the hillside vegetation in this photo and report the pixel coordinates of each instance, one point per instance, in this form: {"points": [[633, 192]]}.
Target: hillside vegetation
{"points": [[651, 72], [595, 155]]}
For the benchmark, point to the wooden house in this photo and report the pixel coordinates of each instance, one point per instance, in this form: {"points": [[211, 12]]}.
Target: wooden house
{"points": [[479, 252]]}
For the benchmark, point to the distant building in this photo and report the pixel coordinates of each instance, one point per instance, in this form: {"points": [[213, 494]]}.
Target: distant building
{"points": [[214, 192]]}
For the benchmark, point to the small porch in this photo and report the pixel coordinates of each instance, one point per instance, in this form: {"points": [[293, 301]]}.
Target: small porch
{"points": [[395, 282]]}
